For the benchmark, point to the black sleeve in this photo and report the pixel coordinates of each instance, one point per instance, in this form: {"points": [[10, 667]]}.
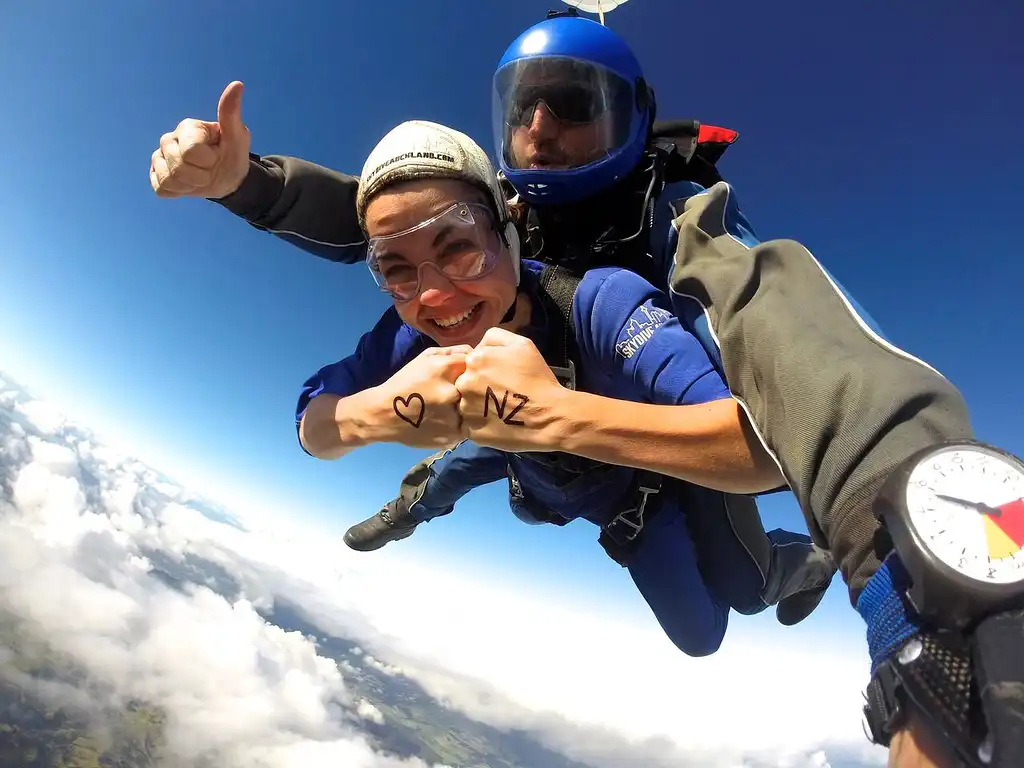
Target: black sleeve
{"points": [[839, 406], [307, 205]]}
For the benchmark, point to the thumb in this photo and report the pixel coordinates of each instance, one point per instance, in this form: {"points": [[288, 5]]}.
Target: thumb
{"points": [[229, 113], [456, 367]]}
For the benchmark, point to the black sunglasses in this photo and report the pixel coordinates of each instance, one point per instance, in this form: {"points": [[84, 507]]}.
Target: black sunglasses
{"points": [[568, 103]]}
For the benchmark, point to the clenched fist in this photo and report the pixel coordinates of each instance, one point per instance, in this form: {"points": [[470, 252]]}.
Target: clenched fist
{"points": [[421, 408], [510, 398], [204, 159]]}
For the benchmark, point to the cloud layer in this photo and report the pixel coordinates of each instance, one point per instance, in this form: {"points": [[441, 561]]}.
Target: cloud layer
{"points": [[163, 599]]}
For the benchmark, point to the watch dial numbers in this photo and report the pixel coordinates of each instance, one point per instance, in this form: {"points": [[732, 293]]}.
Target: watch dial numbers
{"points": [[949, 531], [966, 507]]}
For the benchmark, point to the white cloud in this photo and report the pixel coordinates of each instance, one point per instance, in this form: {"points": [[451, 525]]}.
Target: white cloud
{"points": [[367, 711], [57, 458], [78, 564], [539, 663], [44, 416]]}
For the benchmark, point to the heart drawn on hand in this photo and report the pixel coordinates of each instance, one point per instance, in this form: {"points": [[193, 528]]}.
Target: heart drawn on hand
{"points": [[408, 412]]}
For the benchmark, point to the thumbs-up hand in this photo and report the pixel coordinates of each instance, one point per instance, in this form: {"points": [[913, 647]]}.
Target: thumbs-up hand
{"points": [[204, 159]]}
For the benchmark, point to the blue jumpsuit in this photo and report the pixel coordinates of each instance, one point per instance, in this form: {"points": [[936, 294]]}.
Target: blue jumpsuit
{"points": [[631, 347]]}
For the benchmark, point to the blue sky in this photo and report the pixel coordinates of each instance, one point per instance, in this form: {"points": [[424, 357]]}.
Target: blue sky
{"points": [[886, 138]]}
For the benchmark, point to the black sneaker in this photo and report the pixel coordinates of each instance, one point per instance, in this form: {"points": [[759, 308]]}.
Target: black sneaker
{"points": [[798, 606], [392, 523]]}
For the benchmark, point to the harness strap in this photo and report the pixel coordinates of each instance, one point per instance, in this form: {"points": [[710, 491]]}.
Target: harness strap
{"points": [[620, 535], [557, 290]]}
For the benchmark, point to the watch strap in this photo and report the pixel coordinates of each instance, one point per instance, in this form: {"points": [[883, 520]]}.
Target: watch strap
{"points": [[932, 677], [890, 619], [999, 669], [917, 667]]}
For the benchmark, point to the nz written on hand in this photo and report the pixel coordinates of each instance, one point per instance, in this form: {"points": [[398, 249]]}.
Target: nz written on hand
{"points": [[412, 409], [499, 408]]}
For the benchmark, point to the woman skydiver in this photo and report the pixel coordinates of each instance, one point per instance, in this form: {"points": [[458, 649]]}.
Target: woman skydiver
{"points": [[462, 354]]}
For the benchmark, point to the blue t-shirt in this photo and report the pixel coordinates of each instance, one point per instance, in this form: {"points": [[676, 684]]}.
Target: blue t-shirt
{"points": [[631, 347]]}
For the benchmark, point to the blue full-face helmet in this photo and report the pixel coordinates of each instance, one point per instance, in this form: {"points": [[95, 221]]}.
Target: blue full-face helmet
{"points": [[571, 110]]}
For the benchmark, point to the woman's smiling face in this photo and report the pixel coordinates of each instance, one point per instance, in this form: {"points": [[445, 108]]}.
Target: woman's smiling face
{"points": [[453, 276]]}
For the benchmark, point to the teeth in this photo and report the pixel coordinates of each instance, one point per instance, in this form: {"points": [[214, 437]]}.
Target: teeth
{"points": [[448, 322]]}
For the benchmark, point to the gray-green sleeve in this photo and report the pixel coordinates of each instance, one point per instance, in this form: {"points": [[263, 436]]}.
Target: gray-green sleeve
{"points": [[838, 405], [305, 204]]}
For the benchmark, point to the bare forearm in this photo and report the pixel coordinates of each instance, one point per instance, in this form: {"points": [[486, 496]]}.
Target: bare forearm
{"points": [[332, 426], [711, 444], [915, 747]]}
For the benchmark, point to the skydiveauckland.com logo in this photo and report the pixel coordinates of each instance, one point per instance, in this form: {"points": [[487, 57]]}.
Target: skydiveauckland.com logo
{"points": [[642, 325]]}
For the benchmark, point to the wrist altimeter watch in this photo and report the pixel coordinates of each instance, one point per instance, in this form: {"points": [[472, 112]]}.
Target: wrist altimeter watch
{"points": [[955, 515]]}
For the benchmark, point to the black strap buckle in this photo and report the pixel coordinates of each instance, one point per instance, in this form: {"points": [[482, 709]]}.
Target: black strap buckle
{"points": [[884, 711], [628, 524], [618, 535], [566, 374]]}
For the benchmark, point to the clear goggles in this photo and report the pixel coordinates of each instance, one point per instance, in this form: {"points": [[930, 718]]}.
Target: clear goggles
{"points": [[573, 91], [461, 242]]}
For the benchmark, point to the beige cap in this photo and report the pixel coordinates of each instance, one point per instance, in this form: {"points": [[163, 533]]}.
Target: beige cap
{"points": [[419, 149]]}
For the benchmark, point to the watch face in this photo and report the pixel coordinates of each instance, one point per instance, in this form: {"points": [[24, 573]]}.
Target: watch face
{"points": [[967, 505]]}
